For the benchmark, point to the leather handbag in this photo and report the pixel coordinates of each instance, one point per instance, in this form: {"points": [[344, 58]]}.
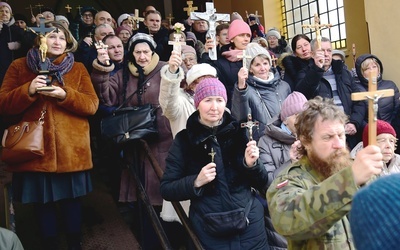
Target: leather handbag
{"points": [[23, 141], [126, 124], [130, 123]]}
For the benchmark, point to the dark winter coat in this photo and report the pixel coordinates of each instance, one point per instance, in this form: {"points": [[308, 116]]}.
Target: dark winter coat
{"points": [[8, 33], [230, 190], [110, 91], [387, 106], [263, 100], [311, 83], [292, 66]]}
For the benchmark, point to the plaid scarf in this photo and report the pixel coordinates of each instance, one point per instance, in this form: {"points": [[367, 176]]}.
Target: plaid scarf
{"points": [[56, 68]]}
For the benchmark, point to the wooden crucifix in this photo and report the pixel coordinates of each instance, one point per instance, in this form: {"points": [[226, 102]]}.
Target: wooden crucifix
{"points": [[212, 154], [353, 52], [101, 45], [136, 19], [317, 27], [249, 125], [274, 61], [31, 9], [68, 8], [211, 17], [190, 8], [373, 95], [243, 56]]}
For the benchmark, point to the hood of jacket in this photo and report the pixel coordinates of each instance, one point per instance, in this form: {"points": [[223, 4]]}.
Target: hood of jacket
{"points": [[360, 60], [274, 131]]}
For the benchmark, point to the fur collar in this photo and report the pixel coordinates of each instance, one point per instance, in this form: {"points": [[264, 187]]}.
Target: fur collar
{"points": [[147, 69]]}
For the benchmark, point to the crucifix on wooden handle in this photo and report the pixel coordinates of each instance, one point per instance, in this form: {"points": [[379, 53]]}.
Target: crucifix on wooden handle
{"points": [[372, 95]]}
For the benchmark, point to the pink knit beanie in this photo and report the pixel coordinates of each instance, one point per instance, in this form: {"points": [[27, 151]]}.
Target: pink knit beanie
{"points": [[238, 27], [209, 87], [293, 104]]}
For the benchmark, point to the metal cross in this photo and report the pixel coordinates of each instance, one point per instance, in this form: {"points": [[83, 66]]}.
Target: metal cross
{"points": [[317, 27], [190, 8], [212, 154], [372, 96], [39, 6], [79, 9], [249, 125], [41, 31], [211, 17]]}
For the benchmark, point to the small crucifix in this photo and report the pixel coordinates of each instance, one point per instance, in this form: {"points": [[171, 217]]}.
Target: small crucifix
{"points": [[101, 45], [373, 97], [211, 17], [189, 9], [244, 57], [317, 27], [79, 9], [170, 18], [68, 8], [39, 6], [212, 154], [249, 125]]}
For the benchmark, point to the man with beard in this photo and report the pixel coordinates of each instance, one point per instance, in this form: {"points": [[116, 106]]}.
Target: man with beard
{"points": [[310, 199]]}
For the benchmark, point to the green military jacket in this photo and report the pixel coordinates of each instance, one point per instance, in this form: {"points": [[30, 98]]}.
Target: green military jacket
{"points": [[309, 211]]}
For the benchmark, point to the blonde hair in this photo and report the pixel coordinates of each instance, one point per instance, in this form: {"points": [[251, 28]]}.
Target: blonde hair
{"points": [[367, 62]]}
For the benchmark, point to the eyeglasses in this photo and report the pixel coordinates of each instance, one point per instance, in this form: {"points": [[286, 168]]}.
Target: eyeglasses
{"points": [[87, 15]]}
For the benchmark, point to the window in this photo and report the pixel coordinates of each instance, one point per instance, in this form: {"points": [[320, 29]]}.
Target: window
{"points": [[296, 13]]}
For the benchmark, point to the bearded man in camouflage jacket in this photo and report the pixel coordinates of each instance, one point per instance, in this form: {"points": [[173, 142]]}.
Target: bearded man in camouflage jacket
{"points": [[310, 199]]}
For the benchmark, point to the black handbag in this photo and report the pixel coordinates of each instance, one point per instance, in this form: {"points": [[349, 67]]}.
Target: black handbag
{"points": [[130, 123]]}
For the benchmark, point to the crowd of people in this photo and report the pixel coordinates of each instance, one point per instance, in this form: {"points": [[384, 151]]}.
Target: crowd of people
{"points": [[255, 144]]}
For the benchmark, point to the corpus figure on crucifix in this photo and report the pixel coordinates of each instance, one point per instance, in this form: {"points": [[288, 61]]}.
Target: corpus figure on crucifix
{"points": [[317, 27], [211, 17]]}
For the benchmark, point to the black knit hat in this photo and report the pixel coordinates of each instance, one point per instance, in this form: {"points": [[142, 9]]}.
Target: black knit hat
{"points": [[89, 8], [18, 16]]}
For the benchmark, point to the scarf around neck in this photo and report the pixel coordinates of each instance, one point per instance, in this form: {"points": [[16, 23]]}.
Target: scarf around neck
{"points": [[58, 67], [232, 55]]}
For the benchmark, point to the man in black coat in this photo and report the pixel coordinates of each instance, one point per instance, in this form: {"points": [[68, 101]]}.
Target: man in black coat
{"points": [[330, 79]]}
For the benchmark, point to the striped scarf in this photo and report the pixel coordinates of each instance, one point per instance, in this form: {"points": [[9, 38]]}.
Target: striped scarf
{"points": [[56, 68]]}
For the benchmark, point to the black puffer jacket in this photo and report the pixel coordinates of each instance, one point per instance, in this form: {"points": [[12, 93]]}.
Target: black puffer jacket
{"points": [[230, 190], [388, 106], [311, 83], [292, 66]]}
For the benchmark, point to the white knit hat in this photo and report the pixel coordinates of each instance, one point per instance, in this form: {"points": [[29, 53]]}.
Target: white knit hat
{"points": [[253, 50], [197, 70]]}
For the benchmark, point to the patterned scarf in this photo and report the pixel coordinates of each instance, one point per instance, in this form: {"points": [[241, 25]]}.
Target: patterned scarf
{"points": [[59, 67]]}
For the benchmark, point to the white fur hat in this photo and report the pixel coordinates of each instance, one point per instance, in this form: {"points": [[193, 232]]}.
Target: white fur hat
{"points": [[197, 70], [121, 18]]}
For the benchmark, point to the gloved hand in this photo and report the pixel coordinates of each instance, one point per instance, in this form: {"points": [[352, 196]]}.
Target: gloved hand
{"points": [[14, 45]]}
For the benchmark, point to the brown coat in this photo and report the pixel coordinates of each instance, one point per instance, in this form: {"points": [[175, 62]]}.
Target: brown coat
{"points": [[110, 91], [66, 128]]}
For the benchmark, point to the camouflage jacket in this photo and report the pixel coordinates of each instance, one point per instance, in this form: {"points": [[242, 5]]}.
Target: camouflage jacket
{"points": [[309, 211]]}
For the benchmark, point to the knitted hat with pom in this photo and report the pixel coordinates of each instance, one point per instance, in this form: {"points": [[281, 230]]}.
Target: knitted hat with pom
{"points": [[253, 50]]}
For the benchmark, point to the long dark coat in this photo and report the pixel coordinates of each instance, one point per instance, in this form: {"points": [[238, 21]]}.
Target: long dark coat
{"points": [[230, 190]]}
